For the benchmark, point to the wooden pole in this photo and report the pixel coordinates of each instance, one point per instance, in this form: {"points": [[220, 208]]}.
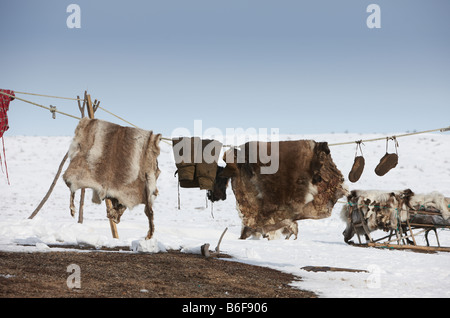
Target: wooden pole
{"points": [[108, 202], [83, 190], [410, 229], [81, 209], [89, 106], [52, 186], [113, 226]]}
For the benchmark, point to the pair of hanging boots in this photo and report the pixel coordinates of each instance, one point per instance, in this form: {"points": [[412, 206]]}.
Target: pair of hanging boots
{"points": [[388, 162]]}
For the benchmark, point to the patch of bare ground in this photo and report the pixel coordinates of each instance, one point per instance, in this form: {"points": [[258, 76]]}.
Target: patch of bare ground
{"points": [[135, 275]]}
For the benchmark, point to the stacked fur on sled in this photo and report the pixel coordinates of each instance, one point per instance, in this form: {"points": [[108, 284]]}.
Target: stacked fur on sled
{"points": [[383, 210]]}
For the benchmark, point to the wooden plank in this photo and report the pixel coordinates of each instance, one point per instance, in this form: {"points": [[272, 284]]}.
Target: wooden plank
{"points": [[331, 269], [410, 247]]}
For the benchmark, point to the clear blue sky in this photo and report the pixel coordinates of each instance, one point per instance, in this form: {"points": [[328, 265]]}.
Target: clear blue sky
{"points": [[301, 66]]}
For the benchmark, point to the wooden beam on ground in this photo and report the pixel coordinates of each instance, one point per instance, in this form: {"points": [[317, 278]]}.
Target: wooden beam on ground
{"points": [[332, 269], [409, 247]]}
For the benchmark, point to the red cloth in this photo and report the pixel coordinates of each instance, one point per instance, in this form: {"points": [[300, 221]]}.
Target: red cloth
{"points": [[4, 107]]}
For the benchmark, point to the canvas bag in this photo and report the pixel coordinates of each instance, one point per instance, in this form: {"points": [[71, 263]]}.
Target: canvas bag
{"points": [[193, 172]]}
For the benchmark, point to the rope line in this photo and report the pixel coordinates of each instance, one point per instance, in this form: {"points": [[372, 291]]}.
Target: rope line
{"points": [[53, 109], [42, 106], [169, 139], [117, 116], [42, 95], [391, 137]]}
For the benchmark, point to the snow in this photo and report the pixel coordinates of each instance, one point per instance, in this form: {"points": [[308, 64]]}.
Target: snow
{"points": [[147, 246], [424, 166]]}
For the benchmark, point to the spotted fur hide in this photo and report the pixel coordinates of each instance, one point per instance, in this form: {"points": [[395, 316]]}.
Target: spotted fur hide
{"points": [[118, 163], [306, 185]]}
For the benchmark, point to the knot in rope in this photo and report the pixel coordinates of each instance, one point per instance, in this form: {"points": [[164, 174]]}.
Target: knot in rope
{"points": [[53, 111]]}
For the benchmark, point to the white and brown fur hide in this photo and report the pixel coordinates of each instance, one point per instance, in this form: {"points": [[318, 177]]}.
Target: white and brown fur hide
{"points": [[306, 185], [384, 210], [117, 163]]}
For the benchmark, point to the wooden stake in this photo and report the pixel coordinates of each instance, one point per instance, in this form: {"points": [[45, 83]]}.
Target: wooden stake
{"points": [[82, 108], [80, 210], [90, 107], [83, 190], [113, 226]]}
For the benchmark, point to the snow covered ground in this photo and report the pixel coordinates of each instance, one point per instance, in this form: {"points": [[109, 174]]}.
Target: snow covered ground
{"points": [[424, 166]]}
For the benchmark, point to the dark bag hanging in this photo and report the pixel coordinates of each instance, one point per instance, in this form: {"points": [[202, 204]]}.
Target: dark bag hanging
{"points": [[389, 160], [358, 165]]}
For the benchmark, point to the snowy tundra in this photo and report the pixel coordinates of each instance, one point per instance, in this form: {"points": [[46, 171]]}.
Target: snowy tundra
{"points": [[424, 166]]}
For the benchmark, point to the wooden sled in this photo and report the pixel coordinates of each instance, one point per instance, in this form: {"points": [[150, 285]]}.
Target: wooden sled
{"points": [[405, 236]]}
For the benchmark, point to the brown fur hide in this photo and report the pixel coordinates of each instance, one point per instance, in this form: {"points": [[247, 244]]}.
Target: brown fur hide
{"points": [[118, 163], [306, 185]]}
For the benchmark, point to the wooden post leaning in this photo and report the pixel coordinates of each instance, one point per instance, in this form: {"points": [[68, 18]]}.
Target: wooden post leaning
{"points": [[61, 165], [83, 190], [58, 173]]}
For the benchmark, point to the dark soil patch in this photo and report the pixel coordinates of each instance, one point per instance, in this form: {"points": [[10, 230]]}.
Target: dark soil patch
{"points": [[132, 275]]}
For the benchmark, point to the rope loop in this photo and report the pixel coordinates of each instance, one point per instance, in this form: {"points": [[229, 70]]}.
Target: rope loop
{"points": [[358, 145]]}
